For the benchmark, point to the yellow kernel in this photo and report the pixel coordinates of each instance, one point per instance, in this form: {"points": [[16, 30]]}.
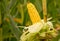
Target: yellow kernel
{"points": [[33, 13]]}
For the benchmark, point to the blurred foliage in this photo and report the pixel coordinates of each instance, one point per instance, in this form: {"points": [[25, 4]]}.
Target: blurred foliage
{"points": [[14, 13]]}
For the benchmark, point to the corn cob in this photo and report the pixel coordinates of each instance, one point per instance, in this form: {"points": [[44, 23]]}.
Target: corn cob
{"points": [[33, 13]]}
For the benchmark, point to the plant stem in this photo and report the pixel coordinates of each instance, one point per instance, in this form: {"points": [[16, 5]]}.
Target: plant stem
{"points": [[44, 10]]}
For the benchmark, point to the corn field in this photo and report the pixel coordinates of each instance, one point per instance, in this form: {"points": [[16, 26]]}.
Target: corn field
{"points": [[29, 20]]}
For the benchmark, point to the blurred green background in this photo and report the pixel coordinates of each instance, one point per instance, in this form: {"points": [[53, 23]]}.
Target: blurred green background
{"points": [[14, 13]]}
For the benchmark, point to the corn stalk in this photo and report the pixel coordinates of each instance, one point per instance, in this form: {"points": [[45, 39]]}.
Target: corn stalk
{"points": [[44, 5]]}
